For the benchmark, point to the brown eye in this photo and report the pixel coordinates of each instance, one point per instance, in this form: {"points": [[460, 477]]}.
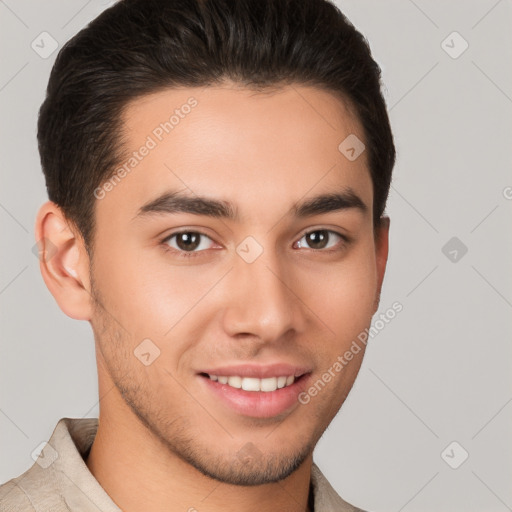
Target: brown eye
{"points": [[320, 239], [188, 241], [317, 239]]}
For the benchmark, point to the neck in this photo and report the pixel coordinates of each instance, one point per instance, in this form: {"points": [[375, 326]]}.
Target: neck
{"points": [[139, 473]]}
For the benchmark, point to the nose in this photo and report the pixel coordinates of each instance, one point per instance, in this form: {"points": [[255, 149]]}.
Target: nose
{"points": [[262, 302]]}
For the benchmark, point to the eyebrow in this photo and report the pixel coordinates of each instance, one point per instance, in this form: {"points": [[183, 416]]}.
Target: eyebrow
{"points": [[179, 202]]}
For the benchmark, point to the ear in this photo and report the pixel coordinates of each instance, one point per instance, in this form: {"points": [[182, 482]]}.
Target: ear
{"points": [[63, 261], [381, 255]]}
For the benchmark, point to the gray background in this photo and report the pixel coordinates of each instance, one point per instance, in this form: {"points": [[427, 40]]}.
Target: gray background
{"points": [[438, 373]]}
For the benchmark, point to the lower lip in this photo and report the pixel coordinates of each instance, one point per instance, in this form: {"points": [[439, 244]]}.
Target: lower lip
{"points": [[258, 404]]}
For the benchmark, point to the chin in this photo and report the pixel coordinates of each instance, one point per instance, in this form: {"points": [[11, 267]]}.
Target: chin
{"points": [[250, 470]]}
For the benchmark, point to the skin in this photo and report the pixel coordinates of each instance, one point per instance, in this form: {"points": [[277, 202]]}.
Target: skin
{"points": [[164, 441]]}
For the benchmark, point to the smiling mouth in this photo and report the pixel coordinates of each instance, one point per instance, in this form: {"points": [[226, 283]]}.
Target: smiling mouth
{"points": [[265, 385]]}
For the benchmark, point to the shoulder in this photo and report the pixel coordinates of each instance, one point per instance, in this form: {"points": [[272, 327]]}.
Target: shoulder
{"points": [[13, 498], [42, 486], [33, 491], [59, 480]]}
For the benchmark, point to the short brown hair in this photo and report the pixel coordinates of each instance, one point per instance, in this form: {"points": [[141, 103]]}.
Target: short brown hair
{"points": [[137, 47]]}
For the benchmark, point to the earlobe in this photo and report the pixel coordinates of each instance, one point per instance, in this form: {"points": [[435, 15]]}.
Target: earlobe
{"points": [[381, 255], [63, 261]]}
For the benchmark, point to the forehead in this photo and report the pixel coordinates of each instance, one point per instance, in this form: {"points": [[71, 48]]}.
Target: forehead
{"points": [[233, 109], [231, 142]]}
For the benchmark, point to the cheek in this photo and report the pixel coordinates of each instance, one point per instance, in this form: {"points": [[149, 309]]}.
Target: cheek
{"points": [[147, 296], [351, 299], [344, 296]]}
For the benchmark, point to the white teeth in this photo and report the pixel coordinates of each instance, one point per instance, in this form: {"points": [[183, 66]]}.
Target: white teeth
{"points": [[250, 384], [253, 383], [235, 382], [269, 384], [281, 382]]}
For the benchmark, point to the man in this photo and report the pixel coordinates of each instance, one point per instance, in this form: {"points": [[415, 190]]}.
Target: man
{"points": [[217, 174]]}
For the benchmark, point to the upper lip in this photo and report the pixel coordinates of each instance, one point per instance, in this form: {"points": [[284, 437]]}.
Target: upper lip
{"points": [[259, 371]]}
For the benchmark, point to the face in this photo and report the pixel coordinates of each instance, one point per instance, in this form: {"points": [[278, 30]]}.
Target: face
{"points": [[213, 263]]}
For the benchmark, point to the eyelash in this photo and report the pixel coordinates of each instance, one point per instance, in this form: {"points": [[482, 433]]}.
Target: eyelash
{"points": [[193, 254]]}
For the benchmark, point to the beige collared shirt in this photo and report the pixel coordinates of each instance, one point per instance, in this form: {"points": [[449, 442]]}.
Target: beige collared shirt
{"points": [[60, 481]]}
